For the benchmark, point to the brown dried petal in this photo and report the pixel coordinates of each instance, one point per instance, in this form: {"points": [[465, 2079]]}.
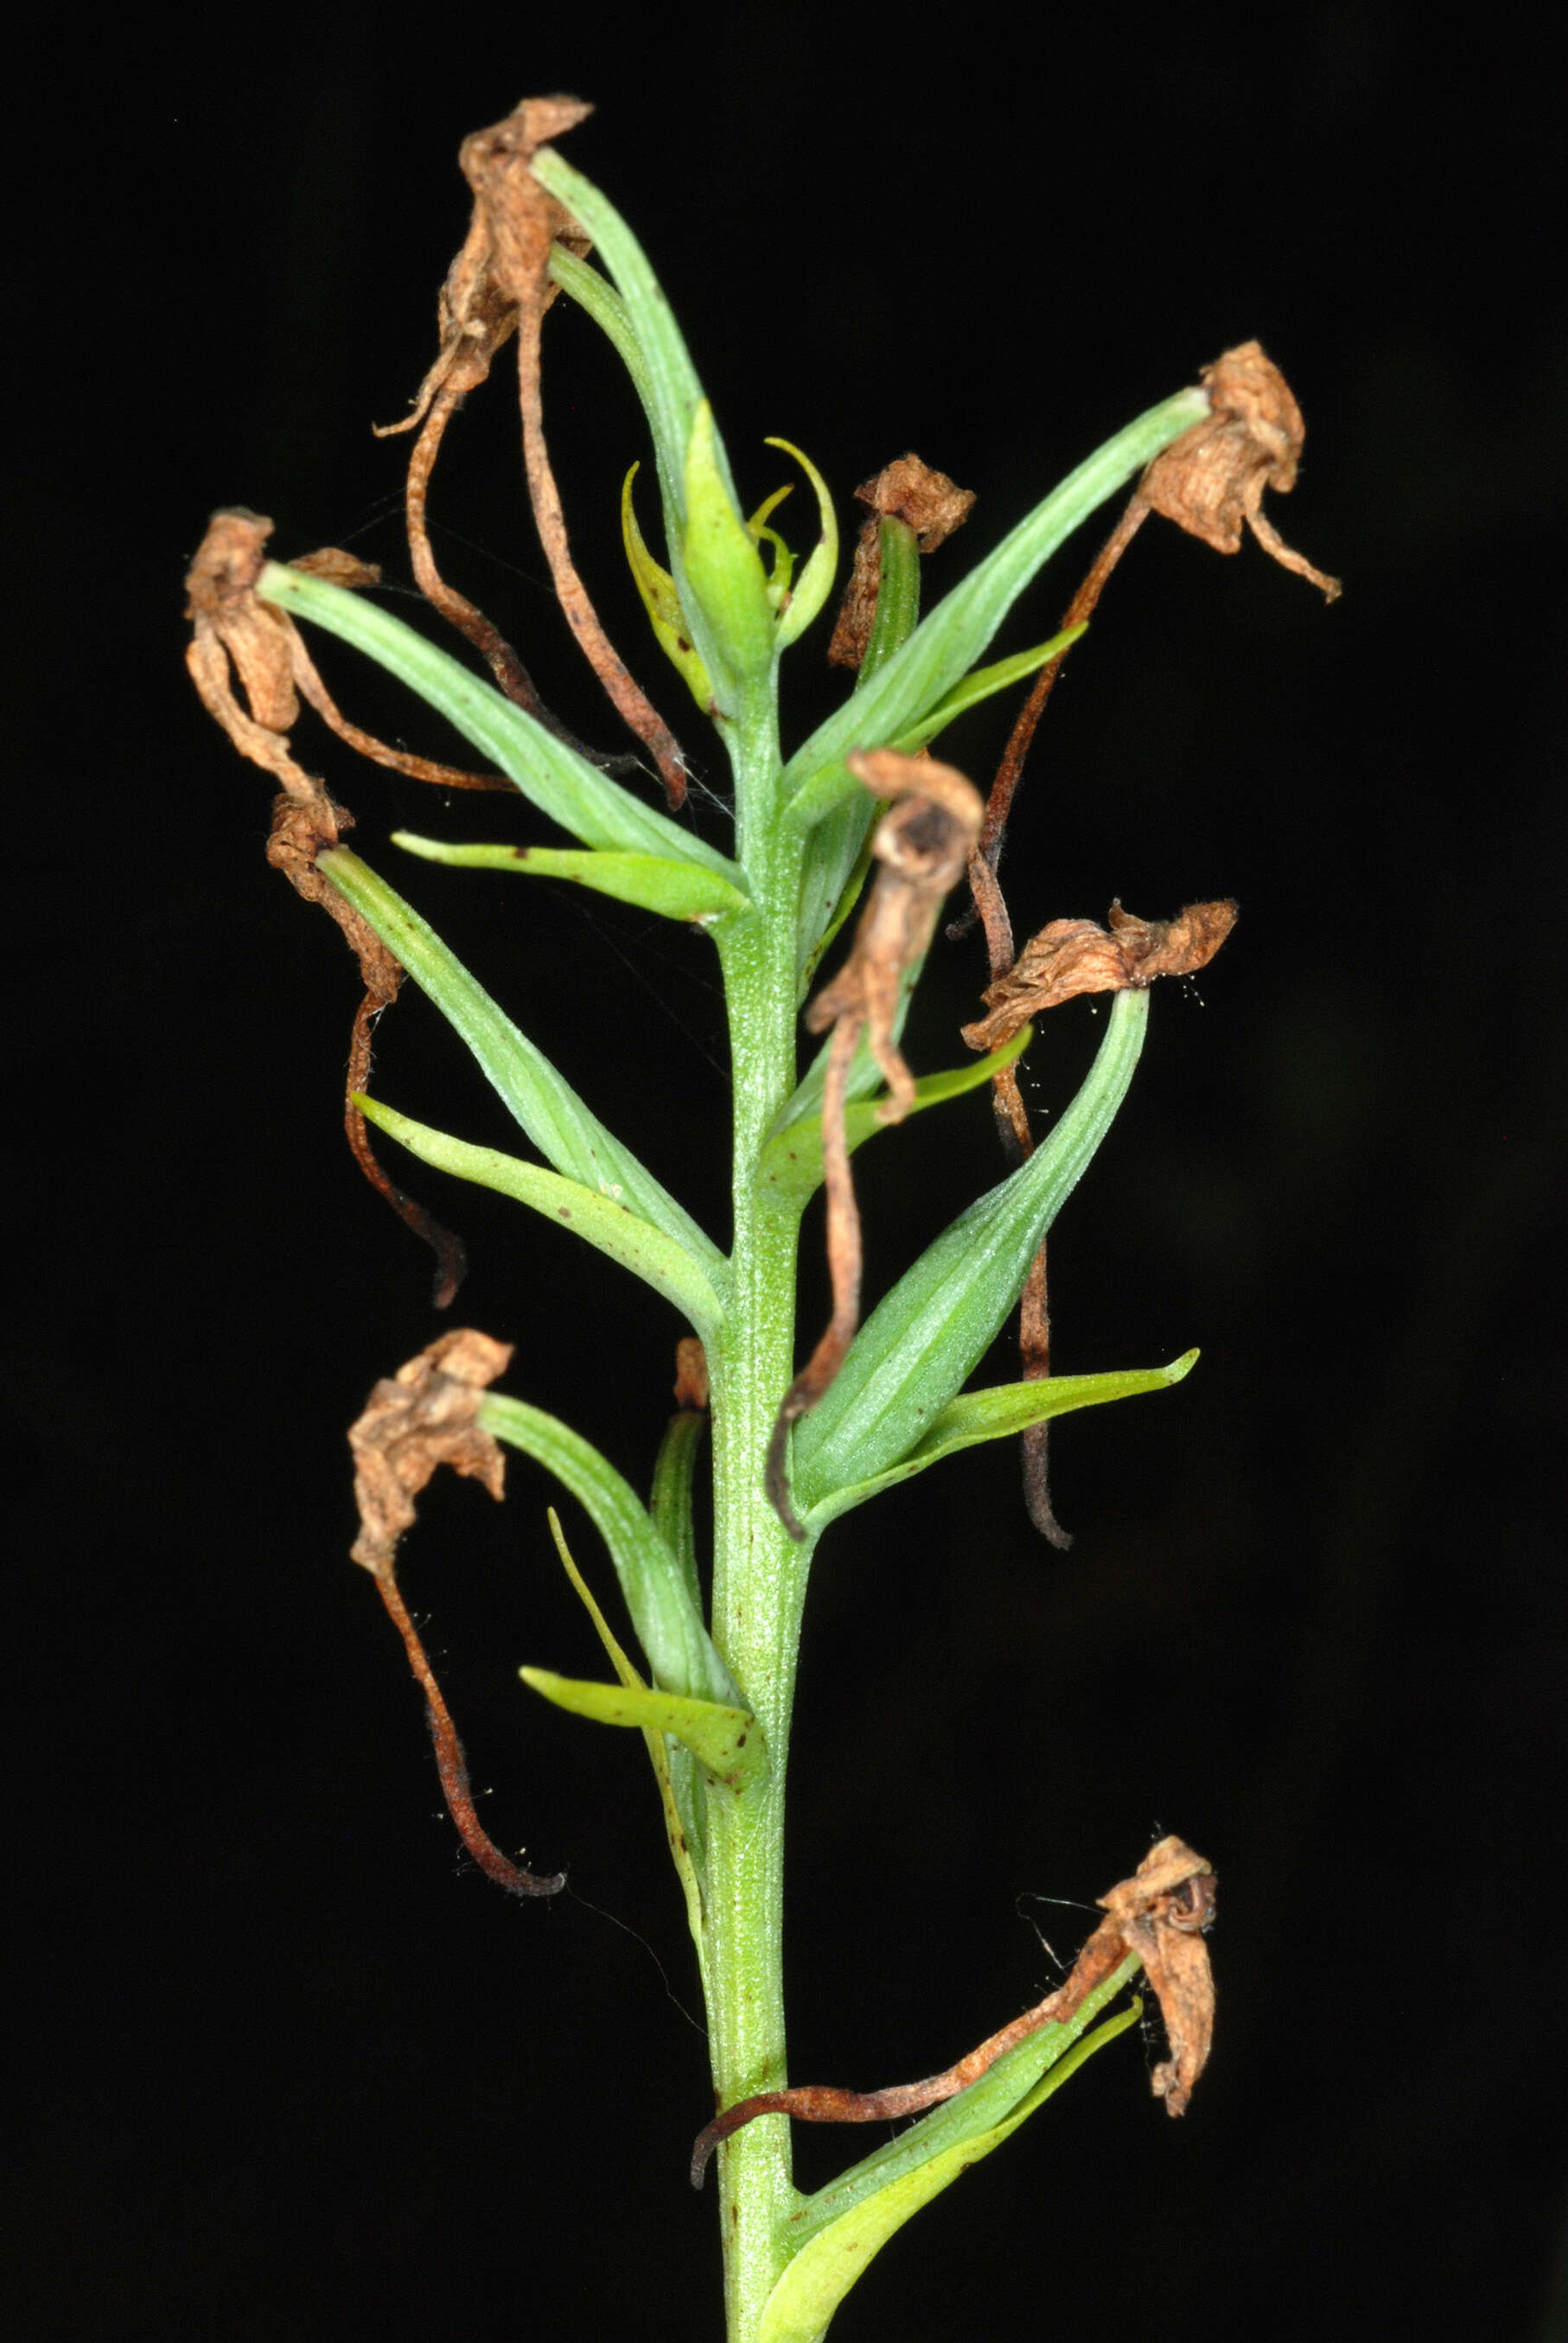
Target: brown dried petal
{"points": [[911, 491], [267, 653], [231, 626], [424, 1417], [1162, 1914], [857, 608], [928, 503], [1211, 480], [480, 300], [922, 844], [338, 568], [1177, 947], [1073, 956]]}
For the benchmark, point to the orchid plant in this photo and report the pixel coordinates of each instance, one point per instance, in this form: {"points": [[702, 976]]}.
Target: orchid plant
{"points": [[857, 818]]}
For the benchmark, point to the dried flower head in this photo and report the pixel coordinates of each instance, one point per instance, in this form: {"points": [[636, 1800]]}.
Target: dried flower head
{"points": [[425, 1416], [1211, 481], [926, 502], [1159, 1915], [1073, 956]]}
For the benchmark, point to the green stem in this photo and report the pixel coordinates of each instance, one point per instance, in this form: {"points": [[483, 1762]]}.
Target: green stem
{"points": [[758, 1579]]}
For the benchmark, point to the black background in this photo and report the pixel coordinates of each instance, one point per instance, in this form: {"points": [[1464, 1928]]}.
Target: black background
{"points": [[291, 2070]]}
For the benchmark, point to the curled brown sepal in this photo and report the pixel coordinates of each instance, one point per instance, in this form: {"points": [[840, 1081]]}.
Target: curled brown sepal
{"points": [[499, 285], [921, 844], [473, 321], [1211, 481], [301, 830], [928, 503], [1073, 956], [233, 631], [232, 628], [423, 1417], [1159, 1915]]}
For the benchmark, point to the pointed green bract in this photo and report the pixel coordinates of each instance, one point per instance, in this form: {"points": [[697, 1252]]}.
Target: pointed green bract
{"points": [[548, 772], [984, 683], [999, 2093], [725, 579], [544, 1102], [669, 623], [822, 2274], [666, 378], [675, 890], [581, 282], [670, 1499], [913, 1353], [680, 1794], [898, 610], [815, 582], [996, 1415], [831, 806], [727, 1743], [668, 1625], [672, 389], [600, 1221], [791, 1165]]}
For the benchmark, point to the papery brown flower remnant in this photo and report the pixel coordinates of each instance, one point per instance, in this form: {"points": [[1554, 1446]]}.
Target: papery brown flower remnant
{"points": [[499, 285], [1211, 480], [236, 636], [921, 844], [232, 627], [425, 1416], [1074, 956], [1159, 1915], [929, 504]]}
